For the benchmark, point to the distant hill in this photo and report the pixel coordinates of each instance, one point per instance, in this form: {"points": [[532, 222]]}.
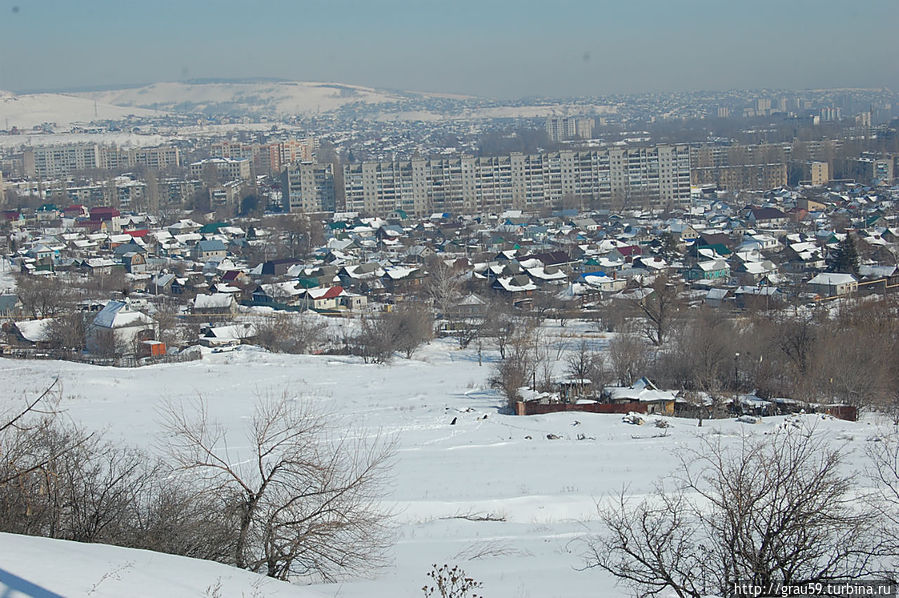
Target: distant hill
{"points": [[27, 110], [272, 99], [269, 98]]}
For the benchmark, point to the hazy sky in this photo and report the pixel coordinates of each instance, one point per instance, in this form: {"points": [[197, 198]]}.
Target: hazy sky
{"points": [[502, 48]]}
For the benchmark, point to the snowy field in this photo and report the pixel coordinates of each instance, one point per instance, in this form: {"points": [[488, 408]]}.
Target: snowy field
{"points": [[491, 493]]}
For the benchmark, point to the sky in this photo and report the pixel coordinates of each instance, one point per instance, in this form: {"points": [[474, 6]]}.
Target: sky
{"points": [[491, 48]]}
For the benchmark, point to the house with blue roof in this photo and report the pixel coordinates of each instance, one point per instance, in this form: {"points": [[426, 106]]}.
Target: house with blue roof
{"points": [[209, 249]]}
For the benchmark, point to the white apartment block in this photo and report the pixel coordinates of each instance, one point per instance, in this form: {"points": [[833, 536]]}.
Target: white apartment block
{"points": [[467, 185], [228, 169], [565, 128], [308, 187], [60, 160]]}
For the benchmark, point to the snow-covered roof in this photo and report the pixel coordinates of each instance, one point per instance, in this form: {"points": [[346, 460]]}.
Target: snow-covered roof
{"points": [[118, 314], [35, 330], [214, 301], [832, 279], [515, 284], [643, 395]]}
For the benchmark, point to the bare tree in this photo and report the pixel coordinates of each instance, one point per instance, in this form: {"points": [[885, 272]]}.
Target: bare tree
{"points": [[884, 471], [701, 361], [20, 427], [408, 327], [501, 323], [777, 510], [519, 366], [586, 365], [41, 296], [403, 329], [442, 286], [305, 503], [629, 357], [67, 332], [659, 309], [290, 333]]}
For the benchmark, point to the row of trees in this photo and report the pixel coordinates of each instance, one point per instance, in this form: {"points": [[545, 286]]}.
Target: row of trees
{"points": [[301, 501], [835, 354]]}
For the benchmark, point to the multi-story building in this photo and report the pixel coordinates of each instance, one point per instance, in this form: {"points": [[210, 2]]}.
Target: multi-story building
{"points": [[233, 150], [651, 175], [564, 128], [308, 187], [58, 160], [121, 192], [297, 150], [227, 169], [268, 158], [707, 155], [156, 158], [820, 173], [755, 177], [750, 167], [178, 191]]}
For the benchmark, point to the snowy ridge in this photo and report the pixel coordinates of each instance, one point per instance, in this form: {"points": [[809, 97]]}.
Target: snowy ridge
{"points": [[270, 98]]}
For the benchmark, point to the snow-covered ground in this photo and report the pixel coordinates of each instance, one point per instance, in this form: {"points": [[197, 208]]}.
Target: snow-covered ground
{"points": [[43, 568], [492, 493]]}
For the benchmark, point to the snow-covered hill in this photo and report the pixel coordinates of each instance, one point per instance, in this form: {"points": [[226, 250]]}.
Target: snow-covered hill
{"points": [[44, 568], [27, 110], [507, 498], [260, 98], [269, 99]]}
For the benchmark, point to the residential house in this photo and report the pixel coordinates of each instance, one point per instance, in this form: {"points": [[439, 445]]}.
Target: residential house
{"points": [[210, 250], [322, 298], [217, 304], [833, 284], [708, 270], [643, 391], [118, 329]]}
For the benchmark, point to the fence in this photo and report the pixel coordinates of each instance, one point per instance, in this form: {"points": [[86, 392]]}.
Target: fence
{"points": [[119, 362], [535, 408]]}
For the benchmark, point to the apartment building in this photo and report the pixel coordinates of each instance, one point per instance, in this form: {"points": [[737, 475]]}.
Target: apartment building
{"points": [[227, 169], [565, 128], [308, 187], [59, 160], [156, 158], [233, 150], [820, 173], [523, 181], [268, 157], [709, 155], [297, 150], [121, 192], [748, 177]]}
